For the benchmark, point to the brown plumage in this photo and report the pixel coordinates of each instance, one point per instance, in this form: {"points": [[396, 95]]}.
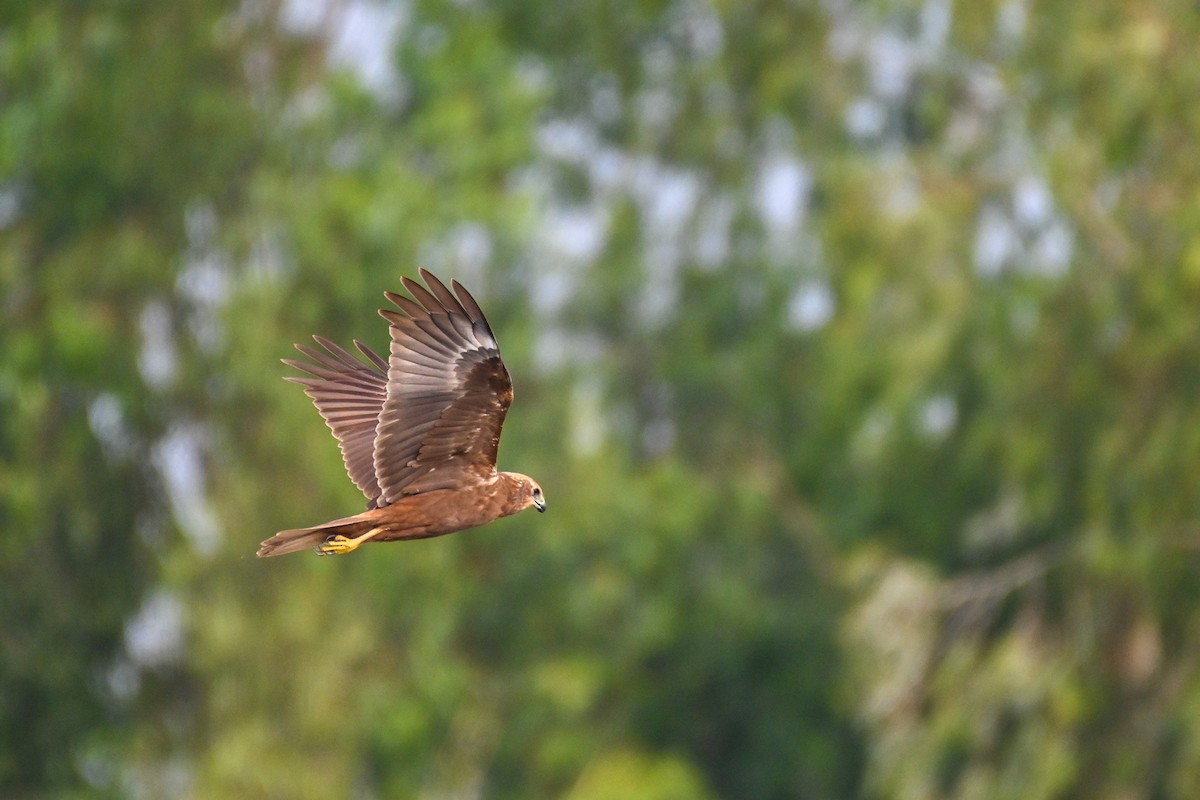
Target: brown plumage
{"points": [[418, 432]]}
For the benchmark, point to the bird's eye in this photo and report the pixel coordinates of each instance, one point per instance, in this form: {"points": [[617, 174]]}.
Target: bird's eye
{"points": [[537, 492]]}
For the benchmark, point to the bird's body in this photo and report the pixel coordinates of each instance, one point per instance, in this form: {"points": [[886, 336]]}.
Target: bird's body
{"points": [[419, 432]]}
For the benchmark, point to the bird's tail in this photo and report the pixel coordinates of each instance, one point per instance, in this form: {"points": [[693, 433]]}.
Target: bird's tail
{"points": [[303, 538]]}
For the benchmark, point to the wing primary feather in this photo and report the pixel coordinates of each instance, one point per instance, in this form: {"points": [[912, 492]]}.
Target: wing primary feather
{"points": [[337, 351], [371, 355], [439, 328], [472, 308], [406, 304], [440, 354], [394, 317], [455, 327], [423, 296], [444, 295], [334, 358]]}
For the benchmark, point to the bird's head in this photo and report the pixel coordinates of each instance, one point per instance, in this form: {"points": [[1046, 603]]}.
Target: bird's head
{"points": [[526, 492]]}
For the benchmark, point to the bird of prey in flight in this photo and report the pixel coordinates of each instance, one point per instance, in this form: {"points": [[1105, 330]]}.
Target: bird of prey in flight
{"points": [[418, 432]]}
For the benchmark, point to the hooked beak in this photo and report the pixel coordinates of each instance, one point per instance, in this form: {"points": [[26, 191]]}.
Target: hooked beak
{"points": [[541, 506]]}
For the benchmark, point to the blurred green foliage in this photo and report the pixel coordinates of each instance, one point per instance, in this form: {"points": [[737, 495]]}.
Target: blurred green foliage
{"points": [[855, 345]]}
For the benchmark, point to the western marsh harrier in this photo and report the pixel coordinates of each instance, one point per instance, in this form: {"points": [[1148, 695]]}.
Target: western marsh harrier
{"points": [[418, 432]]}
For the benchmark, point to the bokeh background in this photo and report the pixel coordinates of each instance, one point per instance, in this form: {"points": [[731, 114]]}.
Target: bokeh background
{"points": [[856, 345]]}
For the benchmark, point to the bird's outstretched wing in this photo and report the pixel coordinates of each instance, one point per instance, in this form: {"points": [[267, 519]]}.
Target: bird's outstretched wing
{"points": [[447, 393], [350, 395]]}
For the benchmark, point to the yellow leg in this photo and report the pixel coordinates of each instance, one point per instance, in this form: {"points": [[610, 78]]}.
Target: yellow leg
{"points": [[338, 545]]}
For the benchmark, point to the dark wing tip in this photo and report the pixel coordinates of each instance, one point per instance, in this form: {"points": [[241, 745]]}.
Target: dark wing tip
{"points": [[437, 287], [393, 317], [471, 308], [408, 306], [428, 301], [444, 296]]}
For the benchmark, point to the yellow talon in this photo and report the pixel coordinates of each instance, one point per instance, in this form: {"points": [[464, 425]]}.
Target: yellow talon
{"points": [[339, 545]]}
